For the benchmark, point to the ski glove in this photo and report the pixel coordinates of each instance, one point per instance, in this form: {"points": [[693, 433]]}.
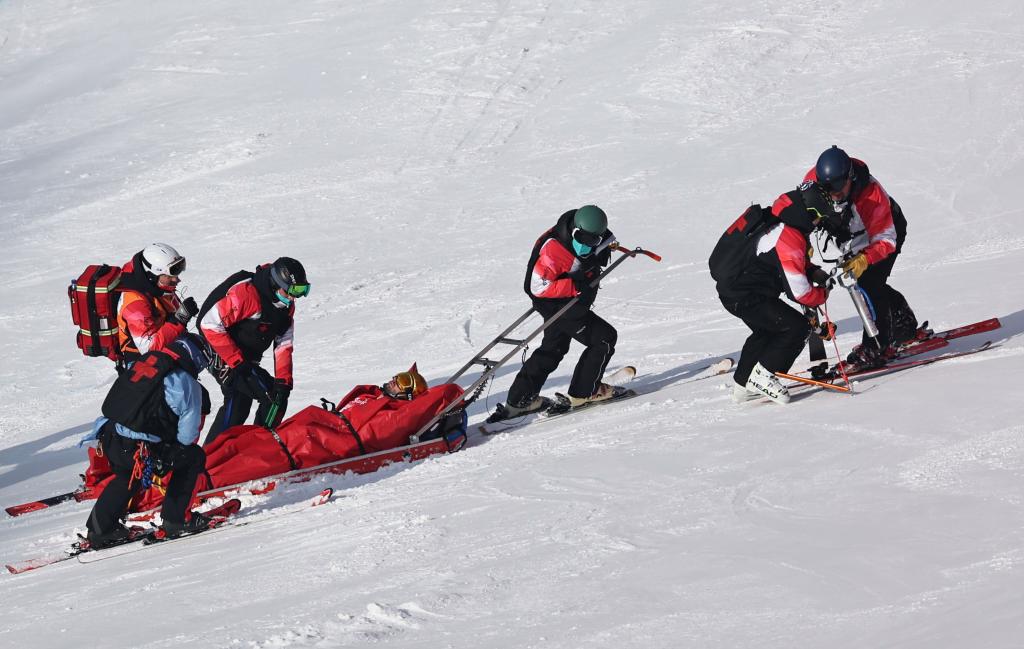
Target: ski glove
{"points": [[251, 379], [823, 330], [817, 276], [165, 456], [186, 310], [581, 282], [281, 390], [856, 265]]}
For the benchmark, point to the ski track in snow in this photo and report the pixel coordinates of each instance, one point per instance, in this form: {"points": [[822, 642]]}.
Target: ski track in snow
{"points": [[410, 154]]}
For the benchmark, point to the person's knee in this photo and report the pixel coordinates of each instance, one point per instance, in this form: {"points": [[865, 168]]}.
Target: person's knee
{"points": [[195, 457], [611, 336]]}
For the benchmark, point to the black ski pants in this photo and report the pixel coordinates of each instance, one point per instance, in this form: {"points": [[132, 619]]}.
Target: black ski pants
{"points": [[112, 504], [578, 323], [888, 303], [778, 334], [238, 398]]}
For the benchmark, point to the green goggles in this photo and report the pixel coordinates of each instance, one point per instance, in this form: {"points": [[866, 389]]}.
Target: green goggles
{"points": [[298, 290]]}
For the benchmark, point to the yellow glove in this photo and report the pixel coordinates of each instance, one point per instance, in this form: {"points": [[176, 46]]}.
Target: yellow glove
{"points": [[857, 265]]}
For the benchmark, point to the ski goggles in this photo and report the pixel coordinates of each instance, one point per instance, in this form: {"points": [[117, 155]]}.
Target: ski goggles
{"points": [[176, 267], [409, 384], [585, 238], [298, 290]]}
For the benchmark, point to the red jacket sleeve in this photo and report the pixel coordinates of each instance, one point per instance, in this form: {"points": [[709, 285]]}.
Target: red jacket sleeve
{"points": [[242, 301], [149, 334], [875, 211], [283, 354], [548, 279], [792, 251]]}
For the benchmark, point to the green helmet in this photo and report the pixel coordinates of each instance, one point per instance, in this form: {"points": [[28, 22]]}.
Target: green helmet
{"points": [[592, 219]]}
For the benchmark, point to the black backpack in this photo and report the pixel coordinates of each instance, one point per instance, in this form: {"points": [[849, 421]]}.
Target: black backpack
{"points": [[735, 248]]}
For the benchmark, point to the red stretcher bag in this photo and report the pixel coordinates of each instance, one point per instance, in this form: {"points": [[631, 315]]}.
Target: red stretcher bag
{"points": [[94, 299]]}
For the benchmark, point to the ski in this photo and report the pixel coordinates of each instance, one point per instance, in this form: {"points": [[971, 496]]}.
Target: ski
{"points": [[78, 547], [223, 519], [935, 340], [615, 379], [884, 370], [360, 464], [43, 503], [81, 548], [147, 536], [941, 338], [495, 425], [500, 415], [917, 362]]}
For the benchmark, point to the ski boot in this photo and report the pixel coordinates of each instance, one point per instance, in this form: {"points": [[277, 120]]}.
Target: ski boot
{"points": [[195, 524], [740, 393], [524, 406], [99, 540], [565, 403], [767, 384], [865, 357]]}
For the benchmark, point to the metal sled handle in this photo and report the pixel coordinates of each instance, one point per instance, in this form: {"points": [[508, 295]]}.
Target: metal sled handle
{"points": [[491, 368]]}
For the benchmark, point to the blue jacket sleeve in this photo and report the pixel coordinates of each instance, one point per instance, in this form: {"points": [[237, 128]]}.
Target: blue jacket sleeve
{"points": [[183, 395]]}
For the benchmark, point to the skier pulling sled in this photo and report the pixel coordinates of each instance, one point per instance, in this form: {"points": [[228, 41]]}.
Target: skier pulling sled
{"points": [[565, 270]]}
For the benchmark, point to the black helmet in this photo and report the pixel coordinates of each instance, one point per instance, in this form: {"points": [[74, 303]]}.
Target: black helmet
{"points": [[833, 169], [192, 352], [289, 276]]}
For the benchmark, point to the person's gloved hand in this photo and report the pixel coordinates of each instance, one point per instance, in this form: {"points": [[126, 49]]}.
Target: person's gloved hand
{"points": [[825, 331], [238, 374], [581, 281], [251, 379], [817, 276], [856, 265], [279, 393], [186, 310], [165, 456]]}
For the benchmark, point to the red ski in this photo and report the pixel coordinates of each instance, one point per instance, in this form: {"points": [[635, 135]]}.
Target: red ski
{"points": [[358, 464], [941, 338], [43, 503]]}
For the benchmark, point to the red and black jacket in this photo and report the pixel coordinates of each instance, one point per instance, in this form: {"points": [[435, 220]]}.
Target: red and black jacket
{"points": [[780, 263], [547, 280], [242, 318]]}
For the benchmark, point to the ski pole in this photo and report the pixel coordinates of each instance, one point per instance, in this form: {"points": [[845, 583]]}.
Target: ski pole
{"points": [[835, 344]]}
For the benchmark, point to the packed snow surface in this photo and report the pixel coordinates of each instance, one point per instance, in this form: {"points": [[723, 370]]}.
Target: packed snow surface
{"points": [[409, 154]]}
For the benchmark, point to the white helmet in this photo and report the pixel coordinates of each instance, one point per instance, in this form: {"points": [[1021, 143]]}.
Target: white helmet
{"points": [[161, 259]]}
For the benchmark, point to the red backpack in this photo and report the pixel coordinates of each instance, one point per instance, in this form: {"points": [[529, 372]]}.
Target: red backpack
{"points": [[94, 298]]}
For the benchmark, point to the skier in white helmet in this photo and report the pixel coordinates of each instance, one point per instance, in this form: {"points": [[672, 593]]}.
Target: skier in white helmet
{"points": [[151, 315]]}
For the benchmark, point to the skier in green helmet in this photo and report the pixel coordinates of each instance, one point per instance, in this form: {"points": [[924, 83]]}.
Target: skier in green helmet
{"points": [[565, 260]]}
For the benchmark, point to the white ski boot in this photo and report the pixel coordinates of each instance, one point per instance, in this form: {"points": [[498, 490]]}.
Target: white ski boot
{"points": [[764, 382], [740, 394]]}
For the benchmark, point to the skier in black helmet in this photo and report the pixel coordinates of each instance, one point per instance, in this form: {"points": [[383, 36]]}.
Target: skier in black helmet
{"points": [[762, 254], [242, 318], [564, 261], [152, 417], [870, 228]]}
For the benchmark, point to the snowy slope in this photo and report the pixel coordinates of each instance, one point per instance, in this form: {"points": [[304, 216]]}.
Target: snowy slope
{"points": [[409, 153]]}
